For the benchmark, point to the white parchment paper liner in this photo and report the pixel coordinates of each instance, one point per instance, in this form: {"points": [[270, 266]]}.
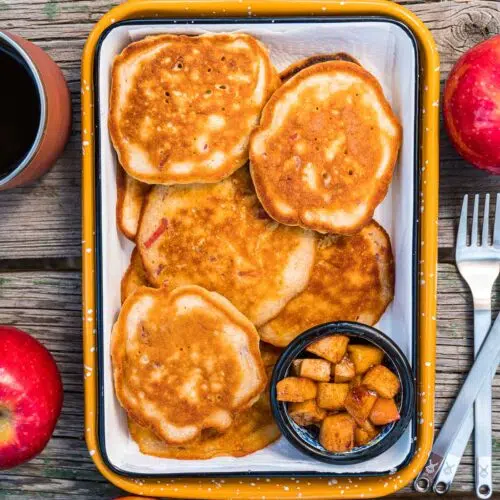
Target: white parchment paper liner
{"points": [[386, 51]]}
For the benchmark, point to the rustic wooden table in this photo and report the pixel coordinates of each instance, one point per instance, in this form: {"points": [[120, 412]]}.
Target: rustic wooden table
{"points": [[40, 247]]}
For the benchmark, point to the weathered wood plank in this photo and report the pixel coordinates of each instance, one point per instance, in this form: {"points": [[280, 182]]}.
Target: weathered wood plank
{"points": [[47, 304], [43, 220]]}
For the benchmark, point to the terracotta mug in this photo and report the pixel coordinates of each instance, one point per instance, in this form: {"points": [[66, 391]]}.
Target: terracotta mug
{"points": [[47, 108]]}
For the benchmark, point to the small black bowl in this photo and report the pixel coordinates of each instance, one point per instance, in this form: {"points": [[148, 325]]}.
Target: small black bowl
{"points": [[305, 439]]}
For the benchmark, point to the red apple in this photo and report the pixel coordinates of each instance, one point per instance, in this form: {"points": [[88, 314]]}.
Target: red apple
{"points": [[31, 396], [471, 105]]}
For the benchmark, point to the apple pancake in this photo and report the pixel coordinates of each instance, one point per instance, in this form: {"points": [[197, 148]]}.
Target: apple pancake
{"points": [[219, 237], [130, 196], [324, 153], [184, 361], [182, 107], [134, 276], [252, 430], [352, 280], [297, 66]]}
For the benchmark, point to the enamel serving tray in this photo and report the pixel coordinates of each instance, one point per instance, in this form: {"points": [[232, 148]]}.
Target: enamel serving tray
{"points": [[411, 322]]}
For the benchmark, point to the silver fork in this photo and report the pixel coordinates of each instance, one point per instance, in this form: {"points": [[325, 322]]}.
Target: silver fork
{"points": [[479, 265]]}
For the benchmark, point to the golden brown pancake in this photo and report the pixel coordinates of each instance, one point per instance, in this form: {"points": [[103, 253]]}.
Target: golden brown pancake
{"points": [[218, 236], [325, 150], [252, 430], [297, 66], [134, 276], [130, 196], [182, 107], [352, 280], [184, 361]]}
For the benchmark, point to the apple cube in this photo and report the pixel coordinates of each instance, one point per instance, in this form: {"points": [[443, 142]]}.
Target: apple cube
{"points": [[295, 389], [363, 435], [344, 371], [315, 369], [332, 348], [359, 403], [306, 413], [295, 368], [382, 380], [356, 381], [337, 432], [332, 396], [384, 412], [365, 356]]}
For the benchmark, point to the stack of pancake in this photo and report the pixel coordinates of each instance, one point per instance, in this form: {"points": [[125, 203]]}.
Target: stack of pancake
{"points": [[250, 199]]}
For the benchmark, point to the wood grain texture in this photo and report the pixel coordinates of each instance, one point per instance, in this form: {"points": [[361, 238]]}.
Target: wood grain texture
{"points": [[40, 234]]}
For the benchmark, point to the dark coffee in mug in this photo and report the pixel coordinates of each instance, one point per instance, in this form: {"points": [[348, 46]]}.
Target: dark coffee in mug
{"points": [[20, 109]]}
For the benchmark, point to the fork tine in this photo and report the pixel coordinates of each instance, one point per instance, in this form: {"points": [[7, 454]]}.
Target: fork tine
{"points": [[462, 225], [475, 221], [486, 226], [496, 230]]}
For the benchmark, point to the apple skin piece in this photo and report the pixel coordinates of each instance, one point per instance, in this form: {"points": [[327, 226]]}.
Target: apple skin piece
{"points": [[471, 105], [31, 396]]}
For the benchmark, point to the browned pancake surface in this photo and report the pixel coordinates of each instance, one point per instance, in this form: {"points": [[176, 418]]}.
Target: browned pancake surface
{"points": [[130, 196], [134, 276], [324, 153], [352, 280], [219, 237], [184, 361], [297, 66], [252, 430], [182, 107]]}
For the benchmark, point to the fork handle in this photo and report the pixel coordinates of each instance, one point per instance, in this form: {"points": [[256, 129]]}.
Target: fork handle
{"points": [[482, 413], [444, 479], [481, 371]]}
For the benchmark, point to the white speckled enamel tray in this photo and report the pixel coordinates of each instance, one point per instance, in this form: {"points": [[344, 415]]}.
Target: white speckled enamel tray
{"points": [[388, 50]]}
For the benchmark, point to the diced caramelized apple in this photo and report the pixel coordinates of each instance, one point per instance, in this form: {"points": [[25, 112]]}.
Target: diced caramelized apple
{"points": [[366, 425], [337, 432], [384, 412], [363, 435], [365, 356], [295, 389], [381, 380], [355, 382], [315, 369], [359, 403], [295, 369], [344, 371], [332, 348], [332, 396], [306, 413]]}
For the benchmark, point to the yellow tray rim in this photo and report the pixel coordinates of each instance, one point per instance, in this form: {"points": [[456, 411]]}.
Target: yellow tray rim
{"points": [[275, 487]]}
